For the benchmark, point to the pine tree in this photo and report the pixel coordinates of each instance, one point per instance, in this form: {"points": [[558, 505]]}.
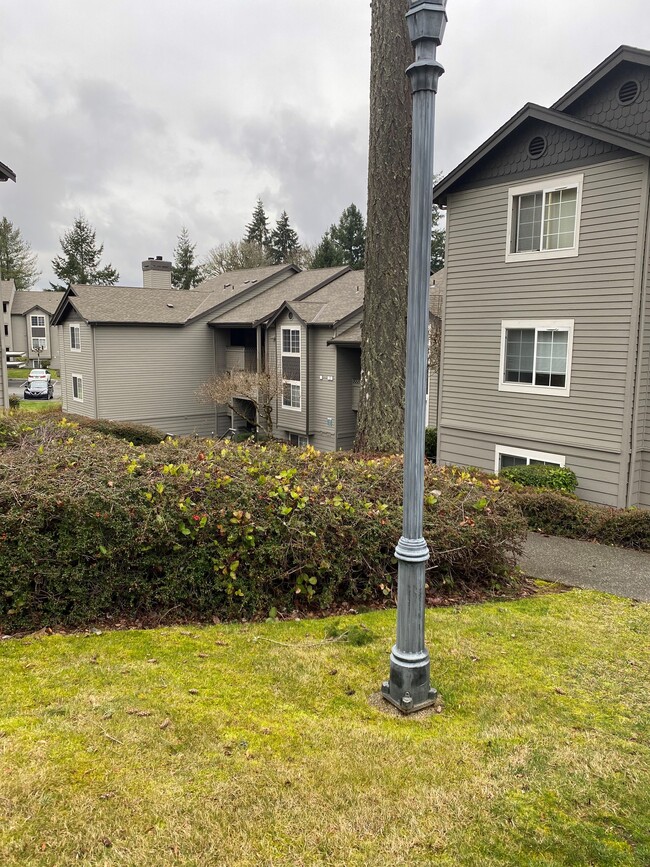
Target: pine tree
{"points": [[438, 238], [328, 254], [283, 246], [185, 273], [17, 261], [257, 231], [350, 236], [81, 259]]}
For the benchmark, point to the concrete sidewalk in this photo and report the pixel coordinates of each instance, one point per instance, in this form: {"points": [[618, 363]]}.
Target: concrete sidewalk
{"points": [[618, 571]]}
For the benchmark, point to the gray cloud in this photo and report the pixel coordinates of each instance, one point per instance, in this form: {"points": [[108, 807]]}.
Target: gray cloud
{"points": [[149, 116]]}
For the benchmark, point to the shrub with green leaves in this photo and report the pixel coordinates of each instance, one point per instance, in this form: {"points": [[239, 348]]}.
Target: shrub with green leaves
{"points": [[431, 443], [542, 476], [131, 431], [91, 526], [560, 514]]}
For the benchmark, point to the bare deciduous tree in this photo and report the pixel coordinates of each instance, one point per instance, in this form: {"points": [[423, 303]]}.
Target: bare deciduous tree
{"points": [[248, 394]]}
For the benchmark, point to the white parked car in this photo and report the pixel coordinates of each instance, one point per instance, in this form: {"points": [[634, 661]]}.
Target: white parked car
{"points": [[39, 373]]}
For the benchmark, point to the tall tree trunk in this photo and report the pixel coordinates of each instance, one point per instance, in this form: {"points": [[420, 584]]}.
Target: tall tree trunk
{"points": [[383, 347]]}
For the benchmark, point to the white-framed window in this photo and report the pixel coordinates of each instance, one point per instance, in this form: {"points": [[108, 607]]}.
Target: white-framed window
{"points": [[544, 219], [77, 387], [38, 333], [75, 338], [290, 361], [509, 456], [536, 356]]}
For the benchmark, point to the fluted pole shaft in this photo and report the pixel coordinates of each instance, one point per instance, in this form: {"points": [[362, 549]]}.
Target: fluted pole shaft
{"points": [[409, 685]]}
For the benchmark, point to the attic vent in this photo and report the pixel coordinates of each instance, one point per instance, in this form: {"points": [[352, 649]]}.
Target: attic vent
{"points": [[628, 92], [170, 305], [537, 147]]}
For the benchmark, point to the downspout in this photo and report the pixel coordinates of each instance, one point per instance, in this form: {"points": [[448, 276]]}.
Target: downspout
{"points": [[642, 269], [92, 340]]}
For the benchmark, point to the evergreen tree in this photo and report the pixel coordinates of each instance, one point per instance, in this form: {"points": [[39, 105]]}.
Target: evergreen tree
{"points": [[438, 236], [185, 273], [283, 246], [328, 254], [350, 236], [81, 259], [257, 231], [17, 261]]}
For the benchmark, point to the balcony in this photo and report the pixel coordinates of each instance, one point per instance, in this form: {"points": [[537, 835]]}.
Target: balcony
{"points": [[241, 358]]}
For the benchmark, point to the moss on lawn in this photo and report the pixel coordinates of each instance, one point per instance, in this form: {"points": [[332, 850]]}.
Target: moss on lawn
{"points": [[210, 745]]}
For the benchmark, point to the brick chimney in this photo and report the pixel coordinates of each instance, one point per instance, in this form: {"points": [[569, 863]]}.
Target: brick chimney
{"points": [[156, 273]]}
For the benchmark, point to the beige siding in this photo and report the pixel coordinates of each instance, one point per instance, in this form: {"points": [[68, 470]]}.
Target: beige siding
{"points": [[151, 375], [323, 385], [78, 364], [432, 417], [292, 420], [348, 373], [596, 289]]}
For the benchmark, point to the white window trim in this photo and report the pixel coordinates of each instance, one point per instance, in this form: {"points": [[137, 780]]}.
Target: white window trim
{"points": [[32, 326], [81, 380], [540, 325], [76, 328], [545, 185], [525, 453], [292, 355]]}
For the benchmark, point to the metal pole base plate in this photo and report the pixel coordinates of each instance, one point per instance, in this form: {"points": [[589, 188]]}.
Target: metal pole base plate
{"points": [[405, 703]]}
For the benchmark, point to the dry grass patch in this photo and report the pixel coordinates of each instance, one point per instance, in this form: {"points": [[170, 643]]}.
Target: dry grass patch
{"points": [[206, 745]]}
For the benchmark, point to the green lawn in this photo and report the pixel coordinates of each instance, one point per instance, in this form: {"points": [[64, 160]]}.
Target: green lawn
{"points": [[212, 746], [39, 405], [23, 373]]}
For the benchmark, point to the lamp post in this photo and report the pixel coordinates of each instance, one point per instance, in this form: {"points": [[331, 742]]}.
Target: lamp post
{"points": [[408, 687]]}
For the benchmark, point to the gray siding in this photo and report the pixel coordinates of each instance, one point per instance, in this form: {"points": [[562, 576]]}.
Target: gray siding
{"points": [[4, 386], [221, 342], [597, 289], [323, 385], [601, 104], [18, 334], [151, 375], [640, 475], [348, 372], [80, 364], [432, 418], [292, 420], [598, 472]]}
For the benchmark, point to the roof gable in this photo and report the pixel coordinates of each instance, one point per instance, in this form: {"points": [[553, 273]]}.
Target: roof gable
{"points": [[623, 54], [588, 141]]}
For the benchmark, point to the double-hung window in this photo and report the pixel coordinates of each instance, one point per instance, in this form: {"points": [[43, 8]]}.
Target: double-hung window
{"points": [[38, 333], [544, 219], [536, 356], [75, 338], [290, 360], [77, 387]]}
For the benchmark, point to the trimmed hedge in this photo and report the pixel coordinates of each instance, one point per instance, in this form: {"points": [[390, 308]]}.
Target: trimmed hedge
{"points": [[542, 476], [561, 514], [90, 526], [131, 431]]}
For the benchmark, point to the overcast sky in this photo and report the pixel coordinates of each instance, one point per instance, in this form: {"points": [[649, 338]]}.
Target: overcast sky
{"points": [[152, 114]]}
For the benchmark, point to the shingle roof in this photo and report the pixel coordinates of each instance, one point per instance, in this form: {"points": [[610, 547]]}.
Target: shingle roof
{"points": [[261, 308], [24, 301], [350, 336], [333, 302], [7, 289], [135, 305], [6, 174]]}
